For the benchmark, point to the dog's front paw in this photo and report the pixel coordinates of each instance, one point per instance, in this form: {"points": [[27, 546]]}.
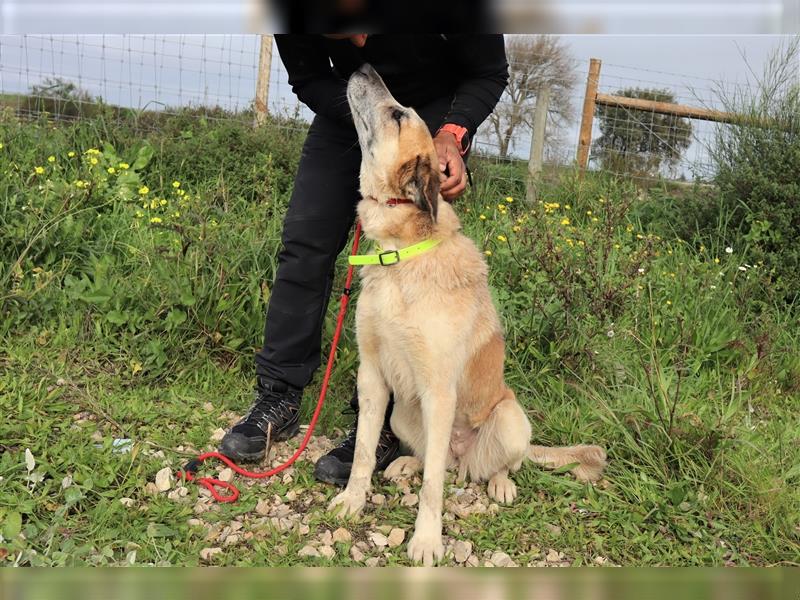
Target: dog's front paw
{"points": [[347, 503], [426, 548]]}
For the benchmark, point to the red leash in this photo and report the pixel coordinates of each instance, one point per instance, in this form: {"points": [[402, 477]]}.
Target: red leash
{"points": [[210, 483]]}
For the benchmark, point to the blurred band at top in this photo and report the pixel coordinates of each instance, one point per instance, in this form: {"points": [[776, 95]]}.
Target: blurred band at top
{"points": [[609, 17]]}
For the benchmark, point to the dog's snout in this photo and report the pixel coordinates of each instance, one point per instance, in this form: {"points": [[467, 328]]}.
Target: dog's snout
{"points": [[366, 69]]}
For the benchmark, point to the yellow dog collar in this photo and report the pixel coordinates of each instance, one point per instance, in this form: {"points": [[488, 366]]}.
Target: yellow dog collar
{"points": [[391, 257]]}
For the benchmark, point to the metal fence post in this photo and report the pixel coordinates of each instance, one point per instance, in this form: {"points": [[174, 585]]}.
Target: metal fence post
{"points": [[262, 83], [537, 141]]}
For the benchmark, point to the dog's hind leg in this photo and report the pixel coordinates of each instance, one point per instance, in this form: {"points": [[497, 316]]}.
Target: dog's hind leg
{"points": [[590, 460], [500, 446], [373, 398]]}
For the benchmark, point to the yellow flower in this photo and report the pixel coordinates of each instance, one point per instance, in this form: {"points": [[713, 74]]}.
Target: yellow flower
{"points": [[124, 165], [502, 238], [565, 221], [516, 228], [716, 261], [71, 154], [669, 303], [588, 212], [629, 228], [181, 193], [1, 146], [639, 236], [139, 214], [155, 220], [93, 160], [595, 219], [111, 170], [144, 190], [176, 214], [617, 246], [487, 252], [39, 170], [567, 207], [509, 199], [482, 217], [92, 151], [153, 203], [176, 184], [51, 159], [79, 184], [162, 202]]}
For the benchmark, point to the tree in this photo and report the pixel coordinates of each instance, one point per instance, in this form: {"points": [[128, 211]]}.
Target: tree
{"points": [[640, 142], [533, 61], [59, 97]]}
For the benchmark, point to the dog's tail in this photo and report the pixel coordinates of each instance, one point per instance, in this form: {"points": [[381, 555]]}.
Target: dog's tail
{"points": [[589, 460]]}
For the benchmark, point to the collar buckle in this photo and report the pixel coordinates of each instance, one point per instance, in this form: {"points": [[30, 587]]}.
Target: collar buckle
{"points": [[389, 257]]}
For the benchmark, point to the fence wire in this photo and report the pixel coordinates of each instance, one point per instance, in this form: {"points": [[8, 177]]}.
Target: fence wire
{"points": [[215, 76]]}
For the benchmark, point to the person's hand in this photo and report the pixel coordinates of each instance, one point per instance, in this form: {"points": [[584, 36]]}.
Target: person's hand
{"points": [[455, 182]]}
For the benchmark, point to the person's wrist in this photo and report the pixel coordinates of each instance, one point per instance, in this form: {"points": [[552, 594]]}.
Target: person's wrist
{"points": [[459, 134]]}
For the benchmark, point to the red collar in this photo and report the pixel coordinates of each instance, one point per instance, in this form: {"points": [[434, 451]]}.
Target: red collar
{"points": [[396, 201]]}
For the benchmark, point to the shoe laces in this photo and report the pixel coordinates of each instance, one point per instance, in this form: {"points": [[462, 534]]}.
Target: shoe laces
{"points": [[272, 407]]}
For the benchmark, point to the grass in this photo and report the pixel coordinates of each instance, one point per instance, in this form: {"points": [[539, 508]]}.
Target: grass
{"points": [[123, 319]]}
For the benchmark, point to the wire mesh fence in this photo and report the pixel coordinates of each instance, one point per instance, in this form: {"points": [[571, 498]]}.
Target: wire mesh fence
{"points": [[215, 76]]}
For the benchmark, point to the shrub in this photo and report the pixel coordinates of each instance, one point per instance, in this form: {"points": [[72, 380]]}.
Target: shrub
{"points": [[757, 164]]}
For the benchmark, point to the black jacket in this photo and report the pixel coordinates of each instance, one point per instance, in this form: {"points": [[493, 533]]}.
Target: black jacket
{"points": [[417, 69]]}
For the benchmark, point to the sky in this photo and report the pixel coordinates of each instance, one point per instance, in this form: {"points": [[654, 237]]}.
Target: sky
{"points": [[179, 70]]}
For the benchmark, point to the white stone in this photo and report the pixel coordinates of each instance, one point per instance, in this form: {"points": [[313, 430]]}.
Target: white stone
{"points": [[379, 539], [207, 554], [356, 554], [396, 537], [462, 550], [501, 559], [327, 551], [164, 479], [308, 551], [409, 500]]}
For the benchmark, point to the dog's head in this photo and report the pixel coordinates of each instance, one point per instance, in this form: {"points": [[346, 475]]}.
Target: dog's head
{"points": [[398, 156]]}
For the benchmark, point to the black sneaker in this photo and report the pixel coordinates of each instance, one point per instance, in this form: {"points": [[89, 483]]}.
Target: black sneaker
{"points": [[335, 466], [275, 415]]}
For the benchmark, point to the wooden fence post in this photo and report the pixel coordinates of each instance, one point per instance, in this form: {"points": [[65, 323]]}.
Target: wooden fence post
{"points": [[585, 137], [537, 141], [262, 83]]}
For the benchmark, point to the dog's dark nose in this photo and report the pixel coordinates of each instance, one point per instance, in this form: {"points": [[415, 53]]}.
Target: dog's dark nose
{"points": [[366, 69]]}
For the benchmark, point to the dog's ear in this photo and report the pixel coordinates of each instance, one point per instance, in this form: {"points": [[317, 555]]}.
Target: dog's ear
{"points": [[420, 181]]}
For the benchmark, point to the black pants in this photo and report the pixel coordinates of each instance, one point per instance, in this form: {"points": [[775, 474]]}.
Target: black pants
{"points": [[320, 214]]}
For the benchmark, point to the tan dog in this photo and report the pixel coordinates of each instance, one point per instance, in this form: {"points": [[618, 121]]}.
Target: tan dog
{"points": [[428, 331]]}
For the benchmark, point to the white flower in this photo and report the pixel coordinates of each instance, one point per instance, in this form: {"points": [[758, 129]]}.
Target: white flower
{"points": [[743, 268], [641, 271], [728, 250], [610, 333]]}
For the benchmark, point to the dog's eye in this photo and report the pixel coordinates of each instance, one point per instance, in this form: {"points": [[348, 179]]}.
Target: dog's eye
{"points": [[397, 115]]}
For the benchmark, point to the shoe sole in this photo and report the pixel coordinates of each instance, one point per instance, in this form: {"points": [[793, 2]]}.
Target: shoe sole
{"points": [[324, 477], [257, 456]]}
